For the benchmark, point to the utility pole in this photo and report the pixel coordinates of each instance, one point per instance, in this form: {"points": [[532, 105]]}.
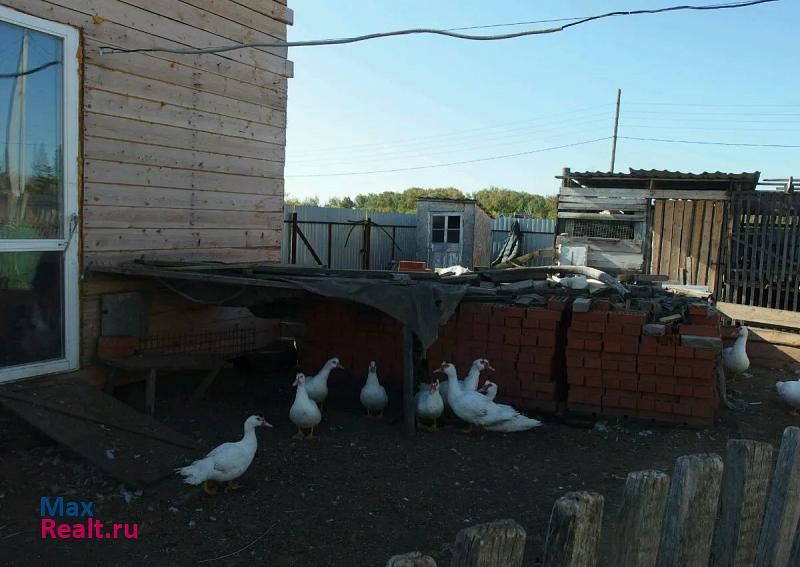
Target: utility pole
{"points": [[616, 127]]}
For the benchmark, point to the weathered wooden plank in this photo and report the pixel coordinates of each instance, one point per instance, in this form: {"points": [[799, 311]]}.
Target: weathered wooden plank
{"points": [[763, 315], [783, 507], [705, 244], [686, 266], [266, 255], [573, 534], [276, 9], [604, 192], [714, 248], [413, 559], [114, 127], [179, 158], [157, 217], [274, 25], [790, 220], [600, 216], [666, 237], [113, 239], [748, 465], [123, 196], [191, 106], [569, 206], [691, 511], [116, 35], [638, 532], [772, 337], [270, 58], [697, 237], [495, 544], [657, 237], [602, 202], [675, 263], [271, 94], [100, 171]]}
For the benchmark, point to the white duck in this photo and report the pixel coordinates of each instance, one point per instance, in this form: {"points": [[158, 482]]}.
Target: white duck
{"points": [[790, 393], [373, 395], [477, 410], [489, 389], [227, 462], [304, 412], [735, 357], [317, 385], [468, 384], [571, 282], [429, 403]]}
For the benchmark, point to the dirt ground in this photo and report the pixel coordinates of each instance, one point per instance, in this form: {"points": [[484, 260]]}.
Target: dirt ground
{"points": [[359, 494]]}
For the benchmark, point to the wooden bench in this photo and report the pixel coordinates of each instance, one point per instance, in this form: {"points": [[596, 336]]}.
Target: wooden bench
{"points": [[146, 367]]}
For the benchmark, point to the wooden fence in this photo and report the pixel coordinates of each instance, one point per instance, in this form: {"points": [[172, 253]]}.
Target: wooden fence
{"points": [[706, 515], [764, 250]]}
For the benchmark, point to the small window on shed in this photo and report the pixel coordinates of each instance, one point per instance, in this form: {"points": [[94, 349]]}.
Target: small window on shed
{"points": [[453, 229], [438, 228]]}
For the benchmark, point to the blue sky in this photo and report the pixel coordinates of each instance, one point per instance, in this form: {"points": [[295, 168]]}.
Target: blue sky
{"points": [[722, 75]]}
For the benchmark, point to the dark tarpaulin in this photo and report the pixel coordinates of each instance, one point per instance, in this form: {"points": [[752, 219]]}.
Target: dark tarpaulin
{"points": [[422, 306], [512, 247]]}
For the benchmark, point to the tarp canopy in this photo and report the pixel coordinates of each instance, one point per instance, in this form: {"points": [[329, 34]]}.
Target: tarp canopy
{"points": [[512, 247]]}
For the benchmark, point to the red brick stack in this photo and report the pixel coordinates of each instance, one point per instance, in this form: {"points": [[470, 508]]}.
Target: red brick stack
{"points": [[521, 343], [613, 369]]}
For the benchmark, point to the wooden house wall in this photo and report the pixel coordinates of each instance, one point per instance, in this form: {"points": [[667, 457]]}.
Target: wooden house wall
{"points": [[182, 155]]}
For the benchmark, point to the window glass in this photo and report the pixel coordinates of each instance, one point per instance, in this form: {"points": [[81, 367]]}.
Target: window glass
{"points": [[453, 221], [438, 235], [438, 221], [452, 236]]}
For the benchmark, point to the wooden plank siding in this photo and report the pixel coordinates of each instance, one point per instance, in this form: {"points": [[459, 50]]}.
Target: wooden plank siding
{"points": [[182, 156], [687, 240]]}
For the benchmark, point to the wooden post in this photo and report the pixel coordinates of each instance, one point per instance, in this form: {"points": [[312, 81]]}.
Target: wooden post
{"points": [[367, 242], [150, 392], [748, 465], [691, 511], [330, 243], [640, 521], [574, 531], [293, 240], [496, 544], [409, 419], [616, 128], [783, 506], [413, 559]]}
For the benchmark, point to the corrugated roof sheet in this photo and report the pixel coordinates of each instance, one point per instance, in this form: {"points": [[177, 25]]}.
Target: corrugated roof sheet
{"points": [[665, 179]]}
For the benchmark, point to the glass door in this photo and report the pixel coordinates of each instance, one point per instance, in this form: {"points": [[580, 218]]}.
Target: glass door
{"points": [[38, 196]]}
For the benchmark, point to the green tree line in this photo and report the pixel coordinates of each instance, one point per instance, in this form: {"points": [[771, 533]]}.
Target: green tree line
{"points": [[496, 200]]}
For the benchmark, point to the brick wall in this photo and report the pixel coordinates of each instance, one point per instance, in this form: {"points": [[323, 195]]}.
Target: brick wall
{"points": [[613, 369]]}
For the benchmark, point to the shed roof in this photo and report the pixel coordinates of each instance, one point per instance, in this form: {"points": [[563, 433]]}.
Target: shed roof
{"points": [[461, 201], [665, 179]]}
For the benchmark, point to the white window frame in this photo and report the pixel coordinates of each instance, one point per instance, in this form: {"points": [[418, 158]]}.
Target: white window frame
{"points": [[447, 227], [69, 243]]}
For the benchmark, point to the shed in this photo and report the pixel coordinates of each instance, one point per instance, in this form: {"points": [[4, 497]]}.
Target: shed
{"points": [[647, 221], [111, 157], [453, 232]]}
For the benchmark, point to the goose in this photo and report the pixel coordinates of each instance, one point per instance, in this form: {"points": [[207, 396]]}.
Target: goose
{"points": [[735, 357], [227, 462], [373, 395], [571, 282], [489, 389], [304, 412], [317, 385], [477, 410], [790, 393], [429, 403], [470, 383]]}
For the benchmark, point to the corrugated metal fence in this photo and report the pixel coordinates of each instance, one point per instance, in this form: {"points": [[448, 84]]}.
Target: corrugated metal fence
{"points": [[342, 239]]}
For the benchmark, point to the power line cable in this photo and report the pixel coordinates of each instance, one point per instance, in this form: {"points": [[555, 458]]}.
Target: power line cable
{"points": [[536, 151], [740, 144], [355, 39], [715, 105], [41, 67]]}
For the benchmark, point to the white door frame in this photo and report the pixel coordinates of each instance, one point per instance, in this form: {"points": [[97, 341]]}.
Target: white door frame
{"points": [[69, 242]]}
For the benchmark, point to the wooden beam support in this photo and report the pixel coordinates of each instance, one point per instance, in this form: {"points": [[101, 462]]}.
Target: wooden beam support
{"points": [[783, 507], [748, 466], [691, 511], [641, 518], [573, 535], [763, 315], [496, 544], [409, 419]]}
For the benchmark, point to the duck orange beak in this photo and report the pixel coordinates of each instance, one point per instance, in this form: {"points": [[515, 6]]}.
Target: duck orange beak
{"points": [[489, 367]]}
